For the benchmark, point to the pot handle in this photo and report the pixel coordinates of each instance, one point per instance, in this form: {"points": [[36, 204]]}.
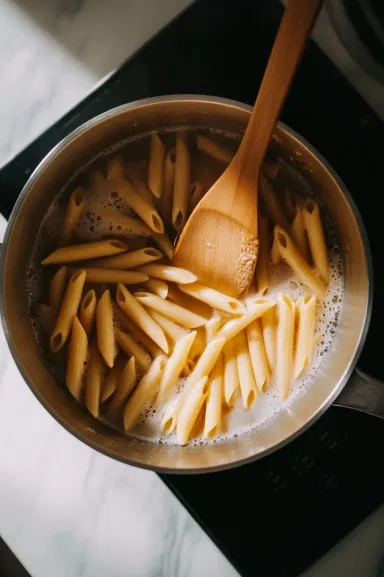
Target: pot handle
{"points": [[363, 393]]}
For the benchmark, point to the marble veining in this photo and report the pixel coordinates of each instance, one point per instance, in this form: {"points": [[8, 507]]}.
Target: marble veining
{"points": [[64, 509]]}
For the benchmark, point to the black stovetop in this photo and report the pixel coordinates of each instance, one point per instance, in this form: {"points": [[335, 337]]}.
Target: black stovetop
{"points": [[276, 516]]}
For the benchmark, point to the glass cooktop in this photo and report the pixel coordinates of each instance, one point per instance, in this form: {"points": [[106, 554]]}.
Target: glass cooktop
{"points": [[274, 517]]}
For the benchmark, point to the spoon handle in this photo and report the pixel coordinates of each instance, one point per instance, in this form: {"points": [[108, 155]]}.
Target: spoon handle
{"points": [[295, 27]]}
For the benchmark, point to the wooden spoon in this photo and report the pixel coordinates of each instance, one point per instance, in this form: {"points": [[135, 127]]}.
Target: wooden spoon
{"points": [[219, 242]]}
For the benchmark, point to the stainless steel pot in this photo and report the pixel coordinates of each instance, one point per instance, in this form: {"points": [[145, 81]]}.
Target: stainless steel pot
{"points": [[334, 382]]}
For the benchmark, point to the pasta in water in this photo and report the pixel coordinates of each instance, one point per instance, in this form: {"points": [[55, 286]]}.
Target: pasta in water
{"points": [[146, 347]]}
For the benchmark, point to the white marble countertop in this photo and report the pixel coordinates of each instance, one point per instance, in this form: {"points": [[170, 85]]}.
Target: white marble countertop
{"points": [[64, 509]]}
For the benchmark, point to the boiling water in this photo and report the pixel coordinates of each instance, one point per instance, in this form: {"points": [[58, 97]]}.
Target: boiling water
{"points": [[97, 223]]}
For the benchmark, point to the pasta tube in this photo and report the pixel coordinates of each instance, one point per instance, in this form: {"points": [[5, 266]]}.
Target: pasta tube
{"points": [[157, 287], [190, 410], [156, 165], [171, 329], [258, 355], [68, 311], [132, 348], [269, 327], [131, 306], [169, 181], [164, 243], [128, 260], [144, 392], [256, 308], [78, 252], [104, 328], [213, 149], [125, 322], [285, 335], [212, 326], [182, 182], [77, 354], [110, 384], [316, 238], [247, 381], [110, 276], [75, 207], [214, 400], [305, 334], [139, 184], [93, 382], [262, 265], [168, 273], [87, 311], [231, 374], [214, 298], [196, 194], [126, 384], [175, 365], [298, 264], [187, 302], [272, 204], [170, 310], [299, 234], [56, 289], [143, 208]]}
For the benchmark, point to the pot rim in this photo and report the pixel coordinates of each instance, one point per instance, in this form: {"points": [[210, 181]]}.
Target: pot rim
{"points": [[191, 98]]}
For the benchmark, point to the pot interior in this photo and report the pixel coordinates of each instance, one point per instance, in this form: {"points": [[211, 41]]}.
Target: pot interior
{"points": [[79, 149]]}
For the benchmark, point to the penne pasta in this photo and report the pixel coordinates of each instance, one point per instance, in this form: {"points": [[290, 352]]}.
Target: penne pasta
{"points": [[78, 252], [169, 181], [305, 334], [168, 273], [285, 335], [231, 374], [187, 302], [174, 312], [258, 355], [316, 238], [171, 329], [132, 307], [214, 298], [175, 365], [144, 209], [298, 264], [144, 392], [128, 260], [275, 251], [139, 184], [157, 287], [156, 165], [212, 326], [75, 208], [93, 381], [299, 234], [195, 195], [123, 321], [247, 381], [57, 289], [215, 150], [188, 368], [199, 344], [126, 384], [268, 329], [132, 348], [164, 243], [110, 384], [68, 311], [87, 311], [256, 308], [190, 410], [202, 369], [105, 329], [214, 401], [111, 276], [77, 354], [272, 204], [122, 224], [262, 265], [182, 182]]}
